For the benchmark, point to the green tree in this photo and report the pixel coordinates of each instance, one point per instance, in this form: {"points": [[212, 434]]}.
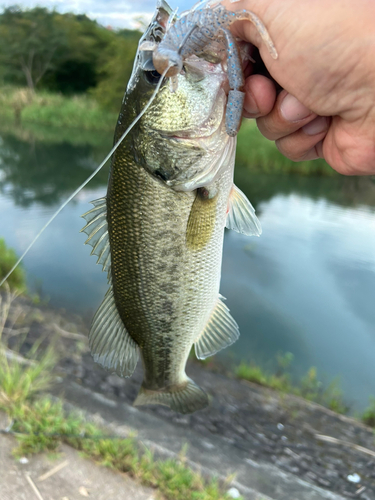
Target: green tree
{"points": [[30, 41], [116, 66], [77, 69]]}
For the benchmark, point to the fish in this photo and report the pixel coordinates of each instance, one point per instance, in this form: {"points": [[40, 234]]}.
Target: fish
{"points": [[158, 232]]}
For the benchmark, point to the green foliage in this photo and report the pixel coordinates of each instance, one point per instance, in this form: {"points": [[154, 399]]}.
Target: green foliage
{"points": [[310, 387], [38, 426], [368, 416], [116, 67], [30, 41], [57, 110], [258, 154], [8, 258], [19, 381], [61, 52], [78, 67]]}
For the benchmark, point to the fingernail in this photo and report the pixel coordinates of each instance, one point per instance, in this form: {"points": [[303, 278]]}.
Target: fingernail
{"points": [[318, 125], [293, 110]]}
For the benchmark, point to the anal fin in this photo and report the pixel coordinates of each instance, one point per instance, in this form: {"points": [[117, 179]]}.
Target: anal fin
{"points": [[186, 398], [110, 343], [220, 331], [241, 214]]}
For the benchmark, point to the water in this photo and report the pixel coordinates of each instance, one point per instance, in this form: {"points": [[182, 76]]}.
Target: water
{"points": [[305, 286]]}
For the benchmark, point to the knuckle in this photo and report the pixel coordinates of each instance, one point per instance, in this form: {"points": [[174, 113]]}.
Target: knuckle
{"points": [[289, 150], [267, 128]]}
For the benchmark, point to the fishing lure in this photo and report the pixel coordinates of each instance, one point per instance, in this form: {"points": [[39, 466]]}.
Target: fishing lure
{"points": [[192, 33]]}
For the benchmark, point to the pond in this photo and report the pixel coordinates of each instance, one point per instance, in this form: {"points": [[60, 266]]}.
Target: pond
{"points": [[306, 286]]}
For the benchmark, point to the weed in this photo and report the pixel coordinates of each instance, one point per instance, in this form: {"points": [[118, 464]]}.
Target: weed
{"points": [[263, 155], [57, 110], [310, 387], [8, 258], [368, 416], [21, 379]]}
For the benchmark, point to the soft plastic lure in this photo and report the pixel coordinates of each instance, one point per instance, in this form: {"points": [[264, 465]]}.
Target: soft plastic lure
{"points": [[192, 33]]}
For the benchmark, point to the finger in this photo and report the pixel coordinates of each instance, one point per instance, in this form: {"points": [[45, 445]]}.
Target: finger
{"points": [[287, 116], [306, 143], [260, 96]]}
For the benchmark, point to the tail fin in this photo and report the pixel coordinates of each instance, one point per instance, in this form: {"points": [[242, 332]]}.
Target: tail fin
{"points": [[183, 399]]}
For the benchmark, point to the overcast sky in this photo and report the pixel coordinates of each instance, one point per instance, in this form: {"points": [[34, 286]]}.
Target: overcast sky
{"points": [[115, 13]]}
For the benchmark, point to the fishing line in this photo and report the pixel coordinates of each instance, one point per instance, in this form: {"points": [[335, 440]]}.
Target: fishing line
{"points": [[92, 175], [171, 18]]}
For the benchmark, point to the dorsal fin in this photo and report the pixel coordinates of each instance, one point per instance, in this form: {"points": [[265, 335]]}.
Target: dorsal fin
{"points": [[220, 331], [241, 214], [97, 232]]}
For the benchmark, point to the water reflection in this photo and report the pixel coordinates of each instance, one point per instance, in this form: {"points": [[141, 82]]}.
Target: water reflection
{"points": [[35, 170], [304, 286], [318, 301], [340, 190]]}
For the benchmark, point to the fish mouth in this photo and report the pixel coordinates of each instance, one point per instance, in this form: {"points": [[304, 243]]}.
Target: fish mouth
{"points": [[188, 137]]}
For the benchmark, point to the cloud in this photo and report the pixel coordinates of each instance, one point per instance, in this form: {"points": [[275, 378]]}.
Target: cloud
{"points": [[116, 13]]}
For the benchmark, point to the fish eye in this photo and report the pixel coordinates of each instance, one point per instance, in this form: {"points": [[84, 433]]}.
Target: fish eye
{"points": [[152, 77]]}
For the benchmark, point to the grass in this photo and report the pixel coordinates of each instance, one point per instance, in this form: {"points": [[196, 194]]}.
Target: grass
{"points": [[21, 379], [8, 257], [368, 416], [80, 111], [258, 154], [310, 387], [32, 131], [41, 425]]}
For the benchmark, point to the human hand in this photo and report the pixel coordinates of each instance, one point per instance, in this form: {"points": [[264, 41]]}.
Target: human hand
{"points": [[326, 66]]}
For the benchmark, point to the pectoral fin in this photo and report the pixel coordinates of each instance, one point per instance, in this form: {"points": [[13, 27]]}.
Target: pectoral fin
{"points": [[110, 343], [201, 223], [220, 331], [241, 214]]}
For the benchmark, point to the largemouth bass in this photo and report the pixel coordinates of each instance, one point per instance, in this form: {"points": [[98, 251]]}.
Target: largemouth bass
{"points": [[159, 231]]}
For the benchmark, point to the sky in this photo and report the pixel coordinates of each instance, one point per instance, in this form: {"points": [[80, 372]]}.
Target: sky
{"points": [[115, 13]]}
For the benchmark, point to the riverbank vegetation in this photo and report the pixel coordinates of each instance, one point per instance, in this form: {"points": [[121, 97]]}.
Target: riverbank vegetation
{"points": [[19, 106], [310, 387]]}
